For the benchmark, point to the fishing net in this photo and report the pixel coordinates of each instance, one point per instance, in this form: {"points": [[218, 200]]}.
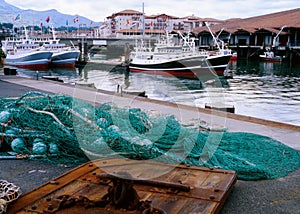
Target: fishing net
{"points": [[8, 193], [61, 129]]}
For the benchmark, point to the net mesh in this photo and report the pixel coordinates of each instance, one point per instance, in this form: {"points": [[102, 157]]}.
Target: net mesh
{"points": [[8, 193], [76, 132]]}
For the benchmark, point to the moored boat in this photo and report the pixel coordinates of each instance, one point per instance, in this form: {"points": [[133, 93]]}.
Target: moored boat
{"points": [[180, 60], [27, 55], [23, 52], [63, 56], [269, 56]]}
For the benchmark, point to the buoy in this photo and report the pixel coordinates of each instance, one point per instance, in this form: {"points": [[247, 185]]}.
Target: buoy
{"points": [[9, 133], [39, 148], [113, 128], [53, 148], [18, 145], [4, 116], [102, 122]]}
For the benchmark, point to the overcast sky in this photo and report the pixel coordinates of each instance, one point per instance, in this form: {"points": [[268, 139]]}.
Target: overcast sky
{"points": [[98, 10]]}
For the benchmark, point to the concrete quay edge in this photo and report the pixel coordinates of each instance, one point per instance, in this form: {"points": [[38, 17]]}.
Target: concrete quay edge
{"points": [[285, 133]]}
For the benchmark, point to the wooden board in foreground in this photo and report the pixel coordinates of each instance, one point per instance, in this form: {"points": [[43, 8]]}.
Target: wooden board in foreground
{"points": [[95, 188]]}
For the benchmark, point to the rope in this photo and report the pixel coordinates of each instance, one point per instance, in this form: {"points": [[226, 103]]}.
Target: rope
{"points": [[8, 193]]}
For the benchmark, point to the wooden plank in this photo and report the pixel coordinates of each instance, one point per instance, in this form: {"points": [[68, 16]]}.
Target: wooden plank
{"points": [[84, 181], [49, 187]]}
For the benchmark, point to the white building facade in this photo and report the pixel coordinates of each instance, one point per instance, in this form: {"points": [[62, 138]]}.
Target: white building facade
{"points": [[132, 23]]}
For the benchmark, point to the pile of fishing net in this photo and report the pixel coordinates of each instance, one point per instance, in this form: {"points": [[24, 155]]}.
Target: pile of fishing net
{"points": [[62, 129]]}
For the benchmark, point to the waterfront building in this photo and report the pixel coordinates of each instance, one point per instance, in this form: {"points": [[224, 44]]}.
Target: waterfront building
{"points": [[129, 23], [279, 32]]}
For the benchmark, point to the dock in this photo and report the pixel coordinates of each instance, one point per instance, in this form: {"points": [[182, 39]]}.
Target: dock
{"points": [[284, 133], [264, 196]]}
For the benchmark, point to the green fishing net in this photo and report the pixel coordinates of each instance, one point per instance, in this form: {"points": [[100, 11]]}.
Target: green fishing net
{"points": [[61, 129]]}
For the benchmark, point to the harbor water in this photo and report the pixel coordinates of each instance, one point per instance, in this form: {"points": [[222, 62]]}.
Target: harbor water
{"points": [[263, 90]]}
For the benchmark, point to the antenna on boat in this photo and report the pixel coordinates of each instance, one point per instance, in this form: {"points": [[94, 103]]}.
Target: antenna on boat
{"points": [[185, 41], [53, 32], [275, 38], [72, 43], [26, 33], [143, 22], [215, 39]]}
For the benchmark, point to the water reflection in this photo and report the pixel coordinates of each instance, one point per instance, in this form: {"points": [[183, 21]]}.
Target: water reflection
{"points": [[264, 90]]}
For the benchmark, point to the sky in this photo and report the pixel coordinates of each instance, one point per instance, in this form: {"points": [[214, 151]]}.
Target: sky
{"points": [[220, 9]]}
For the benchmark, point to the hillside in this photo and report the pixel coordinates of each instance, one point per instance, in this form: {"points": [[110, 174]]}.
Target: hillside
{"points": [[32, 17]]}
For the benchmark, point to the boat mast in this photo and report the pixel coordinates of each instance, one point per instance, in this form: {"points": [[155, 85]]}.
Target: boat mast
{"points": [[143, 22], [215, 39], [187, 42], [275, 38], [26, 35]]}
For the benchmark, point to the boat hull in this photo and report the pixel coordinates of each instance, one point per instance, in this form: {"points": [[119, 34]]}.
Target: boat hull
{"points": [[64, 59], [274, 59], [192, 67], [31, 60]]}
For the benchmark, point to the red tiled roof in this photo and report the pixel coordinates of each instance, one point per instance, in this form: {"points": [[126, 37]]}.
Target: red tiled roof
{"points": [[271, 22], [125, 12], [160, 15]]}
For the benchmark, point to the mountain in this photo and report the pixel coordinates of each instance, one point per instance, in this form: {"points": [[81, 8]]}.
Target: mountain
{"points": [[32, 17]]}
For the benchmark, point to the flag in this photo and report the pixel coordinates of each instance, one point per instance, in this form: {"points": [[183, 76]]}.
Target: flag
{"points": [[41, 24], [91, 24], [76, 19], [18, 17], [67, 22], [134, 24], [47, 19]]}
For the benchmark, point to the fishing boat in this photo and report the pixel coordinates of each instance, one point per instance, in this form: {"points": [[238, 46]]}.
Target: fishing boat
{"points": [[114, 185], [180, 59], [26, 56], [22, 52], [62, 55]]}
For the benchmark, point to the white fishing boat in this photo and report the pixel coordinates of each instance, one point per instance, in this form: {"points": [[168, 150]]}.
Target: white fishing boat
{"points": [[63, 56], [22, 52], [180, 59]]}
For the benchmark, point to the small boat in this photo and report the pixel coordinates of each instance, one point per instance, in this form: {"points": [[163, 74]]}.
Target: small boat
{"points": [[114, 185], [180, 59], [269, 56]]}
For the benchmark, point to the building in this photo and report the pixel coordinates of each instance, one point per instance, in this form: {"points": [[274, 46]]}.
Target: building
{"points": [[129, 23], [278, 31]]}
